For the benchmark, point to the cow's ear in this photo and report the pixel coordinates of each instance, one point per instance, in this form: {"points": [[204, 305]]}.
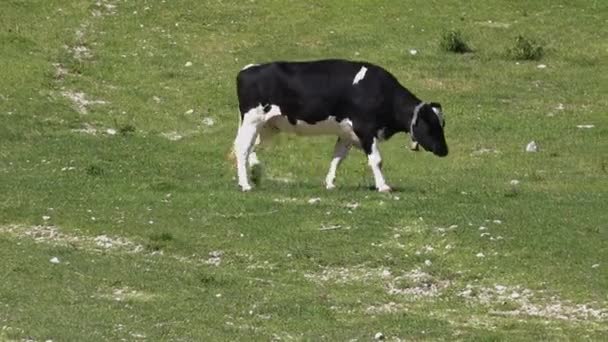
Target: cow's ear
{"points": [[436, 105]]}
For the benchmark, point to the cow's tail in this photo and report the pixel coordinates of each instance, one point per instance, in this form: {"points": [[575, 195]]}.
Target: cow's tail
{"points": [[231, 156]]}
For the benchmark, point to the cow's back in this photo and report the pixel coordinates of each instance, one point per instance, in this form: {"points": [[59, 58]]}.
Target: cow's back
{"points": [[312, 91]]}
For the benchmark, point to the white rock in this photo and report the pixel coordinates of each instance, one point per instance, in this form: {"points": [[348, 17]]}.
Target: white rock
{"points": [[480, 255], [541, 66], [188, 64], [190, 111], [46, 218], [386, 273], [500, 288], [514, 182], [595, 265], [208, 121], [413, 52], [54, 260], [111, 131], [532, 147], [585, 126], [482, 228], [428, 262], [497, 221], [379, 336], [560, 106], [314, 200]]}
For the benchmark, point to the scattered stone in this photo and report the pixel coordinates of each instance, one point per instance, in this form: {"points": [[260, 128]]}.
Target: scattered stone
{"points": [[188, 64], [54, 260], [111, 131], [585, 126], [497, 221], [428, 262], [353, 205], [480, 255], [379, 336], [189, 111], [207, 121], [314, 200], [541, 66], [484, 150], [173, 136], [532, 147], [514, 182], [595, 265], [46, 218], [413, 52], [215, 258]]}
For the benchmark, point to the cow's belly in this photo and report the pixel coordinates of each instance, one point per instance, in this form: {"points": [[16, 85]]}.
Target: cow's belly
{"points": [[329, 126]]}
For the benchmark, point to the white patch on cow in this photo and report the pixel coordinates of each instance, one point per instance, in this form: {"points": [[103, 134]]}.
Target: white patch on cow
{"points": [[360, 75], [329, 126], [249, 66], [439, 114]]}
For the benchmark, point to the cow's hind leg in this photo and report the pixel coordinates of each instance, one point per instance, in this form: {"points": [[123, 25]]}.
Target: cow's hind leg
{"points": [[340, 152], [252, 120]]}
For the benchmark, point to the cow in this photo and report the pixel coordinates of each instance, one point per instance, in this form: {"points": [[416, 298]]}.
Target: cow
{"points": [[359, 102]]}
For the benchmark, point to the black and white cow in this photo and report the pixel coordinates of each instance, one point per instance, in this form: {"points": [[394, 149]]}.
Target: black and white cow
{"points": [[359, 102]]}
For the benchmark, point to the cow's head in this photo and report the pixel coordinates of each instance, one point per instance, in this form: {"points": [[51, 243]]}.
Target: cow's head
{"points": [[426, 127]]}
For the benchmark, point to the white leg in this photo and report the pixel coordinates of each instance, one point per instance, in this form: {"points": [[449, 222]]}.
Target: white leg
{"points": [[375, 162], [340, 152], [244, 142]]}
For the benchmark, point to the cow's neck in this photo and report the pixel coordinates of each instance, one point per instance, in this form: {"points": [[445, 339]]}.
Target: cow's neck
{"points": [[405, 105]]}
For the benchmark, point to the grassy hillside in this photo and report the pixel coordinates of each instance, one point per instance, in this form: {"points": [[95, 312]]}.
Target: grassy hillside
{"points": [[120, 216]]}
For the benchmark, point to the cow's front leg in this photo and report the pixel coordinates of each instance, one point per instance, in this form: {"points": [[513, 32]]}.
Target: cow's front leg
{"points": [[374, 160], [340, 152]]}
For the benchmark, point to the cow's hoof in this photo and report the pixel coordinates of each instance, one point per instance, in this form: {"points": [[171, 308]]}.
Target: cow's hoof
{"points": [[245, 188], [385, 189], [330, 186], [414, 146]]}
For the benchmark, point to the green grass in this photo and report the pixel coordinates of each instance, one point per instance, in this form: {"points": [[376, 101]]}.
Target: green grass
{"points": [[192, 258]]}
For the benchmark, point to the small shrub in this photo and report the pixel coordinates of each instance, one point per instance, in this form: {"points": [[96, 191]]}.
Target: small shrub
{"points": [[126, 129], [452, 41], [95, 170], [525, 49], [158, 242]]}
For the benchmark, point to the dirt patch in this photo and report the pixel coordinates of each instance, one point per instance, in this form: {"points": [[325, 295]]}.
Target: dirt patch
{"points": [[412, 285], [415, 284], [54, 236], [124, 294], [80, 102], [525, 302]]}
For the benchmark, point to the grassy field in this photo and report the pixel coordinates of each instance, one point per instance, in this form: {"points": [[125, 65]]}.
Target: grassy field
{"points": [[120, 216]]}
